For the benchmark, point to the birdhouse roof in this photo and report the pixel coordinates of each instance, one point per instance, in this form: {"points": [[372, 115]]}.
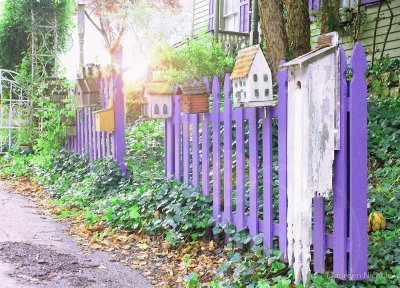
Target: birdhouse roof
{"points": [[82, 86], [192, 89], [159, 88], [326, 44], [244, 61]]}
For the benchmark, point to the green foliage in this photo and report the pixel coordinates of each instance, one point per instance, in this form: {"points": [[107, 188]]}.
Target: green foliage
{"points": [[197, 59], [145, 148], [16, 26]]}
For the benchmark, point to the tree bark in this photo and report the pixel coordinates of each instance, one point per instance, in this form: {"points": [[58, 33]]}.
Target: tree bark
{"points": [[298, 28], [273, 28], [329, 15]]}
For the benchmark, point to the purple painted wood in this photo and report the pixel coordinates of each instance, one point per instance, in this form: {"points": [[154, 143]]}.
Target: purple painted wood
{"points": [[319, 243], [340, 182], [216, 150], [282, 158], [90, 133], [227, 216], [244, 16], [195, 149], [253, 172], [358, 265], [267, 179], [240, 170], [315, 4], [170, 147], [119, 105], [205, 146], [85, 131], [177, 136], [186, 148]]}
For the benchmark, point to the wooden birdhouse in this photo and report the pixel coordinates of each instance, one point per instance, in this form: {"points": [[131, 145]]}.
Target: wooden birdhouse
{"points": [[105, 118], [194, 98], [87, 92], [252, 79], [156, 100]]}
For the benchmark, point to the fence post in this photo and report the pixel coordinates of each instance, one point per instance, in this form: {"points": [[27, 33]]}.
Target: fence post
{"points": [[358, 166], [119, 106]]}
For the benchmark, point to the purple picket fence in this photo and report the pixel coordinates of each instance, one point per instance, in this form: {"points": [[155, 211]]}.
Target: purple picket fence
{"points": [[96, 145], [190, 139]]}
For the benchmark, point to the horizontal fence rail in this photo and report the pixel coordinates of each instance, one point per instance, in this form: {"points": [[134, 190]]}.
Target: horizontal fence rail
{"points": [[231, 154]]}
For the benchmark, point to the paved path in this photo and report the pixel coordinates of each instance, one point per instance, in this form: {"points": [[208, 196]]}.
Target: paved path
{"points": [[36, 252]]}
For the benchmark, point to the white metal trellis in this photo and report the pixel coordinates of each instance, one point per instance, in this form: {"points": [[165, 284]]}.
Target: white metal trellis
{"points": [[15, 107]]}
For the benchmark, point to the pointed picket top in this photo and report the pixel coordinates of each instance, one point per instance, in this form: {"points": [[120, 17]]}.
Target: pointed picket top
{"points": [[227, 93], [358, 60], [215, 89]]}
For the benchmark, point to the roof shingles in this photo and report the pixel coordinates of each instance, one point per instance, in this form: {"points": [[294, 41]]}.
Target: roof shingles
{"points": [[244, 61]]}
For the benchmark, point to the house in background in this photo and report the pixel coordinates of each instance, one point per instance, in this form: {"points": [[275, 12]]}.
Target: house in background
{"points": [[382, 22], [230, 21], [235, 26]]}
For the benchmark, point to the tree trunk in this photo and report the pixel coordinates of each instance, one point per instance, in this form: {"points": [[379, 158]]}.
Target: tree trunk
{"points": [[329, 15], [299, 33], [273, 28]]}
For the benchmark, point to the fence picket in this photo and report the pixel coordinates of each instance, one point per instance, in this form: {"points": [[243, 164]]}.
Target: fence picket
{"points": [[267, 179], [205, 146], [253, 172], [177, 136], [319, 242], [194, 119], [186, 148], [282, 158], [216, 149], [240, 171], [358, 264], [227, 150]]}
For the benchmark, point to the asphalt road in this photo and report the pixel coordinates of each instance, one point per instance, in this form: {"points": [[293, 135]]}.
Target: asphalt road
{"points": [[36, 252]]}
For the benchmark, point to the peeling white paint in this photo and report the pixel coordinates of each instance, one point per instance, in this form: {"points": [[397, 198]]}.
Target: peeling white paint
{"points": [[312, 101]]}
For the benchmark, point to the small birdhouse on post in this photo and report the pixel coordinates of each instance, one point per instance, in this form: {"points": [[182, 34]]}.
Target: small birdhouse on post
{"points": [[194, 98], [156, 100], [56, 90], [252, 79], [88, 92], [313, 126]]}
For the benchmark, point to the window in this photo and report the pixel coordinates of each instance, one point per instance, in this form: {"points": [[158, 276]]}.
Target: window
{"points": [[256, 92], [255, 78], [245, 94], [236, 84], [156, 110], [266, 92], [231, 15], [165, 109], [265, 77], [244, 83]]}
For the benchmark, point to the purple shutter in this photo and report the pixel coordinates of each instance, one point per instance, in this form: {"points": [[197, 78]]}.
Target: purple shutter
{"points": [[314, 4], [244, 16], [370, 2], [211, 15]]}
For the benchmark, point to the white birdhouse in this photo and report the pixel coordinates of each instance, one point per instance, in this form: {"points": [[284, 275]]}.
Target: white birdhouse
{"points": [[252, 79], [156, 100], [313, 121]]}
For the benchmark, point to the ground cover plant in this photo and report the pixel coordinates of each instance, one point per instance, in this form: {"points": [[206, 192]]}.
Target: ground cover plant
{"points": [[169, 212]]}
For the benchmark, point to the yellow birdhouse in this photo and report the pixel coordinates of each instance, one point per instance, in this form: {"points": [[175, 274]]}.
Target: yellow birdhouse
{"points": [[105, 119]]}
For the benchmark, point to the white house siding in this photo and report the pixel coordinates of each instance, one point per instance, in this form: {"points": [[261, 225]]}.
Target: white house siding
{"points": [[392, 48], [200, 16]]}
